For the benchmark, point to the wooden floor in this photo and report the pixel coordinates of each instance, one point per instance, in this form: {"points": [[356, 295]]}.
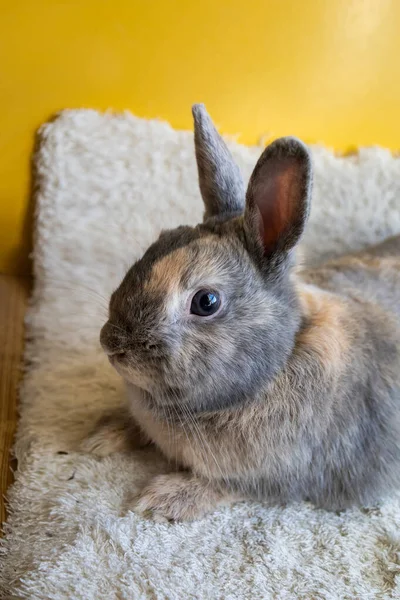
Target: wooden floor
{"points": [[13, 298]]}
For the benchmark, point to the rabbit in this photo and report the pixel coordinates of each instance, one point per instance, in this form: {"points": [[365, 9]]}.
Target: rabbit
{"points": [[260, 379]]}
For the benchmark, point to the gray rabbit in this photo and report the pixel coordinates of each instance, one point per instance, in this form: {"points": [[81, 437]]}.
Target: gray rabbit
{"points": [[259, 379]]}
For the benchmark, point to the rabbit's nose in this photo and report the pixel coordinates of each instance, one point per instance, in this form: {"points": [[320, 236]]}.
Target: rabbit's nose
{"points": [[113, 339]]}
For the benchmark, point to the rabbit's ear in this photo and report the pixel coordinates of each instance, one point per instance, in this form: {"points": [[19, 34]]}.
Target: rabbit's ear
{"points": [[220, 180], [278, 197]]}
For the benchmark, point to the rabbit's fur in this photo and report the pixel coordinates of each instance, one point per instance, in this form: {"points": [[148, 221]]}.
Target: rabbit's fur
{"points": [[292, 390]]}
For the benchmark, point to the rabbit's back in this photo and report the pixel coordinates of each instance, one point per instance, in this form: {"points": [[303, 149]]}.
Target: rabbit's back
{"points": [[372, 275]]}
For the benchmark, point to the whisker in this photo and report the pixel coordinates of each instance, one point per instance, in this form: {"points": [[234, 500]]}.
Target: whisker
{"points": [[70, 286], [202, 443], [203, 438], [171, 437]]}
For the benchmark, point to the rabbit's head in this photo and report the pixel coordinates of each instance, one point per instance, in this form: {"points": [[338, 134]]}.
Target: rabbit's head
{"points": [[209, 314]]}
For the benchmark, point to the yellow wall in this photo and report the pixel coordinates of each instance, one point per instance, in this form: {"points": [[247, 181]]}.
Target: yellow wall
{"points": [[325, 70]]}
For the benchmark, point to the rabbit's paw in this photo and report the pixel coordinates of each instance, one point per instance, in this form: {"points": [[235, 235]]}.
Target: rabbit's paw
{"points": [[113, 433], [178, 497]]}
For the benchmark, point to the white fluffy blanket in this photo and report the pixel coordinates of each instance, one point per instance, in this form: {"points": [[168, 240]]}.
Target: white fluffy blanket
{"points": [[106, 186]]}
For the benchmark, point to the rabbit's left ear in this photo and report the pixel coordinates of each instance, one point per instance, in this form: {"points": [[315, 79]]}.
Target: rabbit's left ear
{"points": [[278, 198], [220, 180]]}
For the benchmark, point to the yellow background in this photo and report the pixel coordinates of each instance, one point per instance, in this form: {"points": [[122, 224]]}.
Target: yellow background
{"points": [[325, 70]]}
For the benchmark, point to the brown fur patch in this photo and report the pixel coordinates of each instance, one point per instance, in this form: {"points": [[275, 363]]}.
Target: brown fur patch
{"points": [[185, 264], [369, 261], [327, 332], [166, 273]]}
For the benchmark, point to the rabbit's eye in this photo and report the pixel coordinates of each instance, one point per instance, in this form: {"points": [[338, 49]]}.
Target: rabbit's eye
{"points": [[205, 303]]}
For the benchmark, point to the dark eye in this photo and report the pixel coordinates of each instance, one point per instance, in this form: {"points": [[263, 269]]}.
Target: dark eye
{"points": [[205, 303]]}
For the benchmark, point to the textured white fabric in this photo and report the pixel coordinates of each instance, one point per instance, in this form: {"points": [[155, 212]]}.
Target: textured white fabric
{"points": [[107, 185]]}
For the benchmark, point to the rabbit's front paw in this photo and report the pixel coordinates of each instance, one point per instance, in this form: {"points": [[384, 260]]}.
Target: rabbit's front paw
{"points": [[105, 441], [113, 433], [178, 497]]}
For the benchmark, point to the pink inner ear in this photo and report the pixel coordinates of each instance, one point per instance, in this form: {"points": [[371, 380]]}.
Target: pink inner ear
{"points": [[277, 195]]}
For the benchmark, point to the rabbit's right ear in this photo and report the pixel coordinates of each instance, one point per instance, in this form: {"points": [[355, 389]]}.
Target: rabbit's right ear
{"points": [[220, 180], [278, 199]]}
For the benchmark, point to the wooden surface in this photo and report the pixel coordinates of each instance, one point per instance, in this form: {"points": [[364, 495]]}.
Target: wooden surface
{"points": [[13, 297]]}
